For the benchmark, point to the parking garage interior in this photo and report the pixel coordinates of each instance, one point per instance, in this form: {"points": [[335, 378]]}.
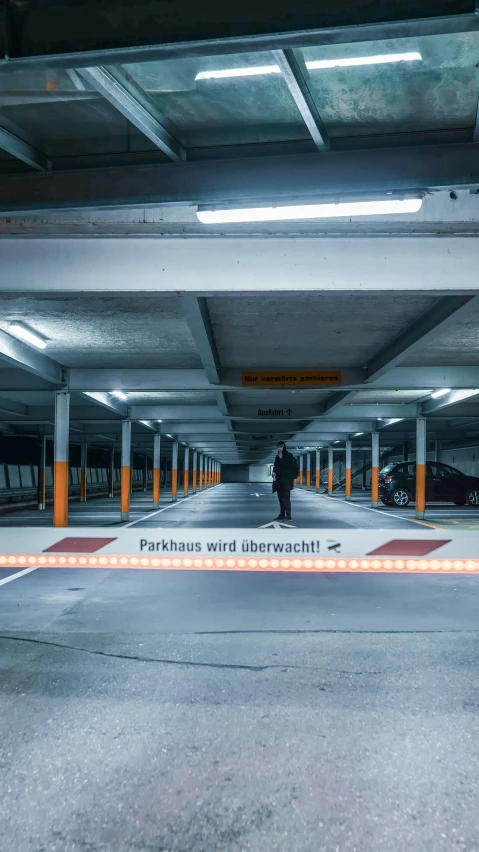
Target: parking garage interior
{"points": [[219, 234]]}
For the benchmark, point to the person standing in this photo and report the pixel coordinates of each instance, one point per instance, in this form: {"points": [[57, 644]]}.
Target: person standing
{"points": [[285, 471]]}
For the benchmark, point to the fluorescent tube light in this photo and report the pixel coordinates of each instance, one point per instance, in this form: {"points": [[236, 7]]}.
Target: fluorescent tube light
{"points": [[170, 436], [25, 334], [379, 59], [159, 421], [311, 65], [358, 434], [310, 211], [437, 394], [252, 71], [146, 423], [119, 394]]}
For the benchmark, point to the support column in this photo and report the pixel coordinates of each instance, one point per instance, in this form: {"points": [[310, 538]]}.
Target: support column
{"points": [[60, 469], [201, 460], [405, 451], [126, 477], [219, 473], [174, 472], [145, 474], [348, 470], [301, 461], [156, 469], [207, 471], [308, 470], [436, 451], [83, 472], [112, 473], [374, 469], [420, 467], [318, 469], [186, 473], [42, 474], [195, 469], [330, 470]]}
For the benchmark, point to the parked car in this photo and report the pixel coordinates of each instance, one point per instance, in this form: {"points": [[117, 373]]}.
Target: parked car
{"points": [[397, 485]]}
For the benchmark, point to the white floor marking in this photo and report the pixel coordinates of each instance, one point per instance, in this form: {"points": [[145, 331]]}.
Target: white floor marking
{"points": [[18, 574], [277, 525], [370, 509]]}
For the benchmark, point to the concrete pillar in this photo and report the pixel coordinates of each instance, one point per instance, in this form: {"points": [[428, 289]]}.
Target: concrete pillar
{"points": [[126, 477], [186, 472], [207, 471], [156, 469], [308, 470], [330, 470], [201, 459], [301, 470], [145, 474], [437, 450], [195, 469], [318, 470], [83, 472], [60, 467], [420, 467], [374, 469], [219, 473], [42, 474], [348, 470], [174, 472], [111, 487]]}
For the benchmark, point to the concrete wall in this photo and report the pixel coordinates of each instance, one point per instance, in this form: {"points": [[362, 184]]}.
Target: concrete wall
{"points": [[259, 473], [466, 459]]}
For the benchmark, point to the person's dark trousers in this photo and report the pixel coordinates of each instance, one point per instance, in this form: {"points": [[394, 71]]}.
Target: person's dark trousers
{"points": [[284, 497]]}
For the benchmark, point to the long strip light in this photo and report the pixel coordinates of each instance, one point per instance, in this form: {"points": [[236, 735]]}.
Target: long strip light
{"points": [[437, 394], [383, 207], [119, 395], [312, 65], [27, 335], [358, 565]]}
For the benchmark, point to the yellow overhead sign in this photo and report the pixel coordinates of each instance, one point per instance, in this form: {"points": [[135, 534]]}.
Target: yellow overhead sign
{"points": [[295, 378]]}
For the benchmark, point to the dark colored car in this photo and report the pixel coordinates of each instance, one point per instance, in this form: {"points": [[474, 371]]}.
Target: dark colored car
{"points": [[397, 485]]}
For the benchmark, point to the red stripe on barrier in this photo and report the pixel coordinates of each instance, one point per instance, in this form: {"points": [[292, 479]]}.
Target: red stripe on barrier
{"points": [[409, 547], [79, 545]]}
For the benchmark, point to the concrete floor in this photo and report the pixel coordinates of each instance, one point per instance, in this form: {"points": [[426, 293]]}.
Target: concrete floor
{"points": [[247, 505], [200, 712]]}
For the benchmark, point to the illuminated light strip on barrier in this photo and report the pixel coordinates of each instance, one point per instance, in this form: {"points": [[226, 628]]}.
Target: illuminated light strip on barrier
{"points": [[359, 565]]}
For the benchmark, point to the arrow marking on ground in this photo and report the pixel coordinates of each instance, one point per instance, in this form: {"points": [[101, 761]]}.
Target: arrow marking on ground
{"points": [[277, 525]]}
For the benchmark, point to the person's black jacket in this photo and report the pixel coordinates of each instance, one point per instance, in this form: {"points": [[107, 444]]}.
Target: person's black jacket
{"points": [[286, 468]]}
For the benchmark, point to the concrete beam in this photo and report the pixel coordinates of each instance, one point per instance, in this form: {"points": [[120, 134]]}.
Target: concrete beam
{"points": [[249, 180], [196, 314], [433, 406], [19, 355], [236, 264], [295, 79], [195, 413], [135, 105], [152, 29]]}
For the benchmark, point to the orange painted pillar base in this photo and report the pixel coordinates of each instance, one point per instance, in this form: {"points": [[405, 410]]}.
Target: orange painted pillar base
{"points": [[60, 494]]}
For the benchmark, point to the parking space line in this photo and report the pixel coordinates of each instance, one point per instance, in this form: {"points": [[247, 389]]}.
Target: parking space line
{"points": [[381, 512], [18, 574]]}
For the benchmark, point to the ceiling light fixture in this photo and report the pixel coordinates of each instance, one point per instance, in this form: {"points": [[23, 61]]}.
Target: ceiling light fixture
{"points": [[311, 65], [358, 434], [119, 394], [437, 394], [27, 335], [146, 423], [252, 71], [159, 421], [170, 436], [378, 59], [383, 207]]}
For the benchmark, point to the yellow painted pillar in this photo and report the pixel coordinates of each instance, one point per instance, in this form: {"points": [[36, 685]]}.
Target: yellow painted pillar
{"points": [[420, 467], [126, 478], [60, 467], [156, 470], [186, 473], [318, 470], [174, 472], [330, 470], [201, 461], [308, 470], [42, 474], [348, 470], [375, 469], [83, 472]]}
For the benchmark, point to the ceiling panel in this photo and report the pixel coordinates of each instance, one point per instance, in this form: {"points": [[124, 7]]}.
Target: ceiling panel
{"points": [[94, 330], [309, 330]]}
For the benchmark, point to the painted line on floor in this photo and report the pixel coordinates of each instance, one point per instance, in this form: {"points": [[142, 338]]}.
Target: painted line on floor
{"points": [[179, 502], [386, 514], [17, 575]]}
